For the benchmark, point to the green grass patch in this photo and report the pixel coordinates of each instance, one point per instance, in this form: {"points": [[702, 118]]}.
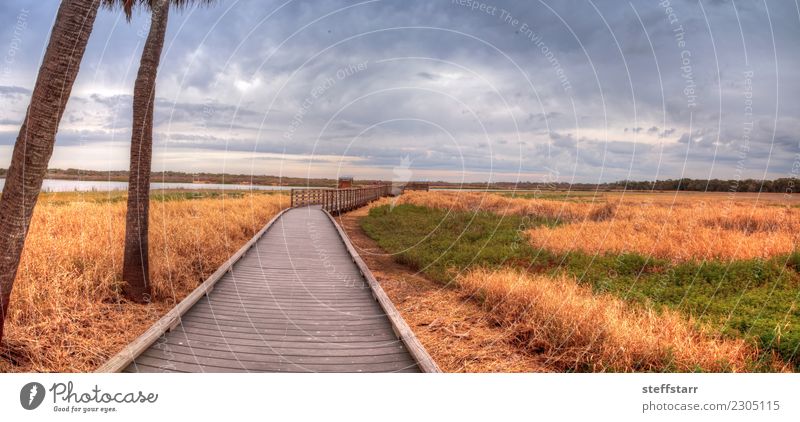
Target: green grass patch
{"points": [[441, 243], [754, 299]]}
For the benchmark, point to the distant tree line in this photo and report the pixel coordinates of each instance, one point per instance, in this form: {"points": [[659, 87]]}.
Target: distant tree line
{"points": [[782, 185], [182, 177]]}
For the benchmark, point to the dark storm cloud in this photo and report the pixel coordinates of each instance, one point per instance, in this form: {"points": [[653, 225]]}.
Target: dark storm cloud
{"points": [[590, 89]]}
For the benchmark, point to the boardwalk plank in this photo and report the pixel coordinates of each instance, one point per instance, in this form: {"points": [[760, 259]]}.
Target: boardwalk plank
{"points": [[323, 350], [298, 344], [194, 354]]}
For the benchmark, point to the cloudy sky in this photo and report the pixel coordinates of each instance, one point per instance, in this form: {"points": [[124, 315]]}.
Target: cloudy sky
{"points": [[439, 90]]}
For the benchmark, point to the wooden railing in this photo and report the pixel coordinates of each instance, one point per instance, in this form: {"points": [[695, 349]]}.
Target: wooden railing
{"points": [[336, 201]]}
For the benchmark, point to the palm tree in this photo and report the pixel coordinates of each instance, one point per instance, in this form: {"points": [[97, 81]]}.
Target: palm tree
{"points": [[34, 144], [135, 265]]}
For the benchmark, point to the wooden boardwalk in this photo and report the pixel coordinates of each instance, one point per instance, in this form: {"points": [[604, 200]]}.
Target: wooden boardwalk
{"points": [[299, 299]]}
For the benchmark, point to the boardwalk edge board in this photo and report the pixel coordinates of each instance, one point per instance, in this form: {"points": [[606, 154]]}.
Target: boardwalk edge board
{"points": [[172, 318], [399, 325]]}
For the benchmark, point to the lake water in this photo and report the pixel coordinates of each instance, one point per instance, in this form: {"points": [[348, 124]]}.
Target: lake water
{"points": [[53, 185]]}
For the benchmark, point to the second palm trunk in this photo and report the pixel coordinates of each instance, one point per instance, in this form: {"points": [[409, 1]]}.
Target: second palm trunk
{"points": [[136, 267]]}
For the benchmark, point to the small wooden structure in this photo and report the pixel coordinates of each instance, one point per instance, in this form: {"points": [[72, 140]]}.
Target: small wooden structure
{"points": [[345, 182], [423, 186]]}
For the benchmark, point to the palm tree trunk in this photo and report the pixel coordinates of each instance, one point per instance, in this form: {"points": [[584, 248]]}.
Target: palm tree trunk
{"points": [[34, 145], [135, 266]]}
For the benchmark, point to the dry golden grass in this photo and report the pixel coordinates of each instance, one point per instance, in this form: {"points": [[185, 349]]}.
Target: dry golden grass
{"points": [[677, 229], [66, 313], [499, 204], [681, 232], [578, 330], [667, 197]]}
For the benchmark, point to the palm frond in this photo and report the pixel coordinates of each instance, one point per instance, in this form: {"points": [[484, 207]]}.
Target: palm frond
{"points": [[128, 5]]}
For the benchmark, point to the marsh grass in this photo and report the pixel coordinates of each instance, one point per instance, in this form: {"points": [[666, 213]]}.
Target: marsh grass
{"points": [[576, 329], [753, 299], [705, 228]]}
